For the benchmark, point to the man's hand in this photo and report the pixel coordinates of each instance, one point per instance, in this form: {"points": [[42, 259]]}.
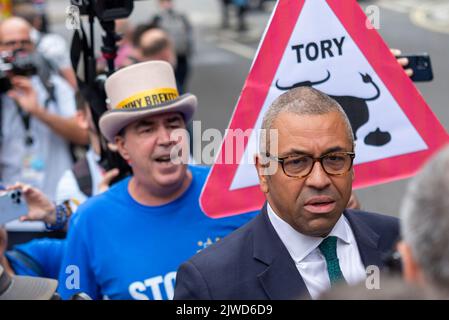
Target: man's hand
{"points": [[26, 97], [40, 207], [24, 94], [107, 179], [403, 62]]}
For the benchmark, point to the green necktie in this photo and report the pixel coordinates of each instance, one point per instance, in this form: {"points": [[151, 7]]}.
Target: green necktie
{"points": [[328, 248]]}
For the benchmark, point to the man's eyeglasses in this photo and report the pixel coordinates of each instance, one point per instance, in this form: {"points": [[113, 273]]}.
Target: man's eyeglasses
{"points": [[14, 43], [300, 166]]}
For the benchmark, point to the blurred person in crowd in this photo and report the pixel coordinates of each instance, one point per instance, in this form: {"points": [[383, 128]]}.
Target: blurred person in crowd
{"points": [[51, 45], [125, 51], [177, 25], [129, 241], [241, 8], [425, 225], [384, 288], [304, 241], [153, 43], [125, 30], [225, 6], [37, 119]]}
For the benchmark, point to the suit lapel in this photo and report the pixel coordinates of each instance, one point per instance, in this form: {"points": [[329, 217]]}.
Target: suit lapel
{"points": [[367, 240], [281, 279]]}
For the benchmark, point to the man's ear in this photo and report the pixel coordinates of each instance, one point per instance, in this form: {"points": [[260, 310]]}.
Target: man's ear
{"points": [[120, 143], [261, 167], [353, 150], [410, 268]]}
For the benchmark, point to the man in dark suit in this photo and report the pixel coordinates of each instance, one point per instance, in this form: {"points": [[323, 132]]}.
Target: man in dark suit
{"points": [[304, 241]]}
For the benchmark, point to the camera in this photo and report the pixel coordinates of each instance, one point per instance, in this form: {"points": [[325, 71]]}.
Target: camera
{"points": [[12, 206], [16, 196], [105, 10], [17, 63]]}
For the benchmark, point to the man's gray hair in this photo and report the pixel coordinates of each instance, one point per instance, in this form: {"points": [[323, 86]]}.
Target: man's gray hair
{"points": [[425, 219], [302, 101]]}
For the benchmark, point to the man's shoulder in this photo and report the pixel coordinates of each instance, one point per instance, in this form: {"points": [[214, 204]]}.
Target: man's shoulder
{"points": [[199, 169], [231, 248], [386, 226], [199, 173], [373, 219]]}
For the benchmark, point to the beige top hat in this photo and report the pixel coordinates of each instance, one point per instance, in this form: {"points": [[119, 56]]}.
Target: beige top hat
{"points": [[142, 90]]}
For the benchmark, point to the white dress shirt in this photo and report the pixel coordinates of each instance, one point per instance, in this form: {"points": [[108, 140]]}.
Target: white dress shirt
{"points": [[308, 259]]}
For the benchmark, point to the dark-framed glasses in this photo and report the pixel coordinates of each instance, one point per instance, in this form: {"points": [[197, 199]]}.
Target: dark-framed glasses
{"points": [[21, 43], [300, 166]]}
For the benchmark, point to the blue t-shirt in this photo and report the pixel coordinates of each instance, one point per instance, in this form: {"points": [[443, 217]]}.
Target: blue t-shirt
{"points": [[120, 249], [45, 255]]}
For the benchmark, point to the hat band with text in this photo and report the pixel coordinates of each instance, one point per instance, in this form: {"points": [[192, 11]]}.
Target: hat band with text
{"points": [[149, 98]]}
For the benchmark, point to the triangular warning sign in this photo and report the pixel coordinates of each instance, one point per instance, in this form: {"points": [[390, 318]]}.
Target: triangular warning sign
{"points": [[329, 45]]}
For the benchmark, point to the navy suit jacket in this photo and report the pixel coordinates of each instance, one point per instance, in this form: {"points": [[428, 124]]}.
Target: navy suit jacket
{"points": [[252, 263]]}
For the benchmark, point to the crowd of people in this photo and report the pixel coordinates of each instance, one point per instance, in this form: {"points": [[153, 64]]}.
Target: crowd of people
{"points": [[146, 236]]}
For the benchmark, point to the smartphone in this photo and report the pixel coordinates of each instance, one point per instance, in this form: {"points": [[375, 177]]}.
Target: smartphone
{"points": [[421, 66], [12, 206]]}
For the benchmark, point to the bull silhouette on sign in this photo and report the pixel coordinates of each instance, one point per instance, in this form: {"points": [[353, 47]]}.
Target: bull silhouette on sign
{"points": [[356, 108]]}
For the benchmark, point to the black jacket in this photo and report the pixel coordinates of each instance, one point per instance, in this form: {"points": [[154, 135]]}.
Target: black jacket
{"points": [[253, 263]]}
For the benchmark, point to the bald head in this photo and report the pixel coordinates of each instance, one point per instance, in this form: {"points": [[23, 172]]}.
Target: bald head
{"points": [[303, 101], [155, 44], [14, 24], [15, 33]]}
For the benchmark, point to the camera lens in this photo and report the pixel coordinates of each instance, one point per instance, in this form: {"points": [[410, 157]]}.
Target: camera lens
{"points": [[422, 64]]}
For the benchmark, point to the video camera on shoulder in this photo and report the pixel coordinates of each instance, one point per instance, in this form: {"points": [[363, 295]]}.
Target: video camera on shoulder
{"points": [[16, 63]]}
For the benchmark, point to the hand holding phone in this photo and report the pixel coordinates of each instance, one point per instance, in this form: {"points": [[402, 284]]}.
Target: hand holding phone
{"points": [[421, 66]]}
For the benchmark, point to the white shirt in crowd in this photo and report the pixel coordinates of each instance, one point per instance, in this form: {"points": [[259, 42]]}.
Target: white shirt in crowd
{"points": [[308, 259], [53, 47], [42, 163], [68, 187]]}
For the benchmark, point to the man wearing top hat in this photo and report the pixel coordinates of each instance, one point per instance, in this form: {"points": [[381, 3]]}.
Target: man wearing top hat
{"points": [[128, 242]]}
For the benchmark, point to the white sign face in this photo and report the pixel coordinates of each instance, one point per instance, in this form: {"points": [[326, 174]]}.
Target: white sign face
{"points": [[322, 54]]}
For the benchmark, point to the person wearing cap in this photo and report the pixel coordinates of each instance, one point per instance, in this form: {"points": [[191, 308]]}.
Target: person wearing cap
{"points": [[128, 242], [26, 288]]}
